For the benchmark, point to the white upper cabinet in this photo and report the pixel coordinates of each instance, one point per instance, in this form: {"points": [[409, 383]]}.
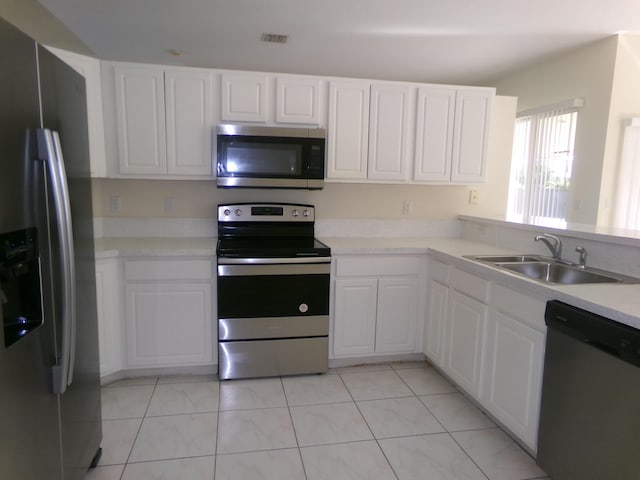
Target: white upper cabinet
{"points": [[434, 134], [452, 131], [471, 135], [163, 120], [386, 132], [189, 109], [389, 132], [159, 123], [244, 98], [139, 93], [298, 100], [348, 130]]}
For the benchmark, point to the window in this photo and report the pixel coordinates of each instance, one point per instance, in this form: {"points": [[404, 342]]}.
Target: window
{"points": [[541, 164], [627, 207]]}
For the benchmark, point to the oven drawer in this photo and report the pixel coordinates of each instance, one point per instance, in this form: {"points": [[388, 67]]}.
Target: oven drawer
{"points": [[272, 327], [264, 358], [258, 295]]}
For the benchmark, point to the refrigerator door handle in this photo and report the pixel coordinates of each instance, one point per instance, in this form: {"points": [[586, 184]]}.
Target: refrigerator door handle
{"points": [[54, 166]]}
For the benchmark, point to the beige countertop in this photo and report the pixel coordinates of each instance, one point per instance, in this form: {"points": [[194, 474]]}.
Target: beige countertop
{"points": [[615, 301], [155, 246], [618, 302]]}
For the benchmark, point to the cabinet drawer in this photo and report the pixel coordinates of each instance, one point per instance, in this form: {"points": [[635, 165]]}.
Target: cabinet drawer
{"points": [[519, 306], [366, 265], [470, 285], [136, 270], [439, 271]]}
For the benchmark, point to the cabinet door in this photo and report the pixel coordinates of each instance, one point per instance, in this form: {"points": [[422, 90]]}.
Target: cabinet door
{"points": [[140, 120], [347, 138], [189, 101], [513, 382], [298, 100], [109, 316], [388, 132], [464, 340], [437, 295], [471, 135], [355, 316], [396, 317], [434, 134], [168, 324], [244, 98]]}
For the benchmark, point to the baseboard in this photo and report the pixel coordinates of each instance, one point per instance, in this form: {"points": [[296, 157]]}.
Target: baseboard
{"points": [[159, 372], [353, 361]]}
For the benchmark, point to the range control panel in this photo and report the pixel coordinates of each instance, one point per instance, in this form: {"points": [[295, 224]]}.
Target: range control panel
{"points": [[266, 212]]}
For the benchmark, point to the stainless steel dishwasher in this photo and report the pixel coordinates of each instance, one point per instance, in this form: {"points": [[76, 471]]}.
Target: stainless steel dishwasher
{"points": [[590, 413]]}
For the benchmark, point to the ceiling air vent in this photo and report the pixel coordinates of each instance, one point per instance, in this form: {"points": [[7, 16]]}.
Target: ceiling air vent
{"points": [[274, 38]]}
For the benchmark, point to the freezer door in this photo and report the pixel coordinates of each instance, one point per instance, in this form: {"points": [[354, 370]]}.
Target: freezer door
{"points": [[29, 442], [64, 110]]}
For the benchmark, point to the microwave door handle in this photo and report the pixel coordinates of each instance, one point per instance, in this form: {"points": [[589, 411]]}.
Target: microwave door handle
{"points": [[54, 168]]}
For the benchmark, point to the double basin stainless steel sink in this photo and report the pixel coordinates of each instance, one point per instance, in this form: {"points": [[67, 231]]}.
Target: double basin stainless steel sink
{"points": [[548, 270]]}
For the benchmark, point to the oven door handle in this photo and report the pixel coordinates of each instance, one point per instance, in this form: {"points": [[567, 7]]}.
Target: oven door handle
{"points": [[280, 269], [272, 261]]}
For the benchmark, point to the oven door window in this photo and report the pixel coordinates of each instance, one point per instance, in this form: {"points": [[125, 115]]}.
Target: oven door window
{"points": [[260, 157], [253, 296]]}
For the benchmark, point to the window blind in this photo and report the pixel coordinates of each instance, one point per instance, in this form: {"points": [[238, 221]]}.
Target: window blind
{"points": [[627, 204], [541, 165]]}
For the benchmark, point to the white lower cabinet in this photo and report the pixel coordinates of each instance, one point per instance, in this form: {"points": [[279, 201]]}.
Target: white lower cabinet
{"points": [[514, 358], [168, 313], [437, 299], [489, 340], [376, 305], [396, 317], [464, 331], [109, 309], [355, 308], [464, 338]]}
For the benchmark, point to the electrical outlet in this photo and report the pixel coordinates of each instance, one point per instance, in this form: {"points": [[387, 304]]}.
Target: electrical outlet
{"points": [[115, 203], [473, 197], [169, 204], [407, 207]]}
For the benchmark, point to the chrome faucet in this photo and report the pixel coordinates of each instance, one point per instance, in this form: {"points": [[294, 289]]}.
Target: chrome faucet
{"points": [[582, 259], [556, 247]]}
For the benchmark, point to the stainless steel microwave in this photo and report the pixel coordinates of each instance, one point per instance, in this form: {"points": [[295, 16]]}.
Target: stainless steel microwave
{"points": [[270, 157]]}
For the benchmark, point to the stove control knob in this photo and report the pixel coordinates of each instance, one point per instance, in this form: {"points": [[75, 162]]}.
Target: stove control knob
{"points": [[238, 212], [227, 212], [303, 307], [305, 213], [295, 213]]}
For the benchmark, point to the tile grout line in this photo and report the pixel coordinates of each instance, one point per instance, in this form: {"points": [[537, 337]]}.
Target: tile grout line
{"points": [[215, 453], [446, 430], [370, 429], [293, 426], [126, 463]]}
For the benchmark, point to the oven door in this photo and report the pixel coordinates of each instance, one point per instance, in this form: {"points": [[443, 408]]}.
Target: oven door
{"points": [[273, 300], [273, 318]]}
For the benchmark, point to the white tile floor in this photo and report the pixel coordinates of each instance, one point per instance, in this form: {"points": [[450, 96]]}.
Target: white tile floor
{"points": [[388, 421]]}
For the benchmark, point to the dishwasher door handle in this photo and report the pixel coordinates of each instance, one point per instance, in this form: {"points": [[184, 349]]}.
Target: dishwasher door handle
{"points": [[603, 347]]}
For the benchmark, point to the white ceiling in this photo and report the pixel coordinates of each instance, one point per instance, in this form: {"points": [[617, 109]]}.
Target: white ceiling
{"points": [[440, 41]]}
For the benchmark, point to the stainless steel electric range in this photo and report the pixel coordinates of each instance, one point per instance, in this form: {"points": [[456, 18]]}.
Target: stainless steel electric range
{"points": [[273, 291]]}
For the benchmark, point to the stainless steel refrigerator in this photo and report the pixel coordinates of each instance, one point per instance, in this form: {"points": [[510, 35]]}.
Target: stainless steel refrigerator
{"points": [[50, 417]]}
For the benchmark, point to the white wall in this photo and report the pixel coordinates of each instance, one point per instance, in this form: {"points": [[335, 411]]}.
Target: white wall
{"points": [[587, 73], [198, 199], [625, 104]]}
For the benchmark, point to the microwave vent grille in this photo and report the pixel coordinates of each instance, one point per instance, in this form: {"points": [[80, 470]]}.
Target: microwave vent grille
{"points": [[274, 38]]}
